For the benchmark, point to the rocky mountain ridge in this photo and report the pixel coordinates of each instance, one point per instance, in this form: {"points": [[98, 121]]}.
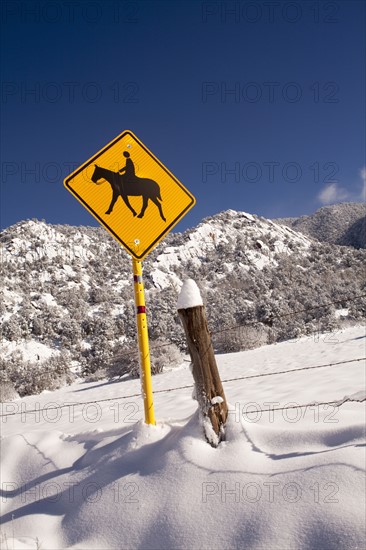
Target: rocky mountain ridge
{"points": [[343, 224]]}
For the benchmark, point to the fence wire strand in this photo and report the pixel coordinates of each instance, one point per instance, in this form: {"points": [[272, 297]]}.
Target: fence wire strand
{"points": [[117, 398]]}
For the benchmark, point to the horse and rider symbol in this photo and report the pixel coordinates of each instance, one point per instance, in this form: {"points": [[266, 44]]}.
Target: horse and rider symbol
{"points": [[126, 184]]}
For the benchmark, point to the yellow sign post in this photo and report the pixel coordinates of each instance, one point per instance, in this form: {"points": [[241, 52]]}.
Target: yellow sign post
{"points": [[135, 197], [143, 340]]}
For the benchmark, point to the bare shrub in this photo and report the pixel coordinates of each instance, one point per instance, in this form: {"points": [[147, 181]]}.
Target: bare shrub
{"points": [[240, 338], [7, 391], [33, 378], [163, 354], [99, 374]]}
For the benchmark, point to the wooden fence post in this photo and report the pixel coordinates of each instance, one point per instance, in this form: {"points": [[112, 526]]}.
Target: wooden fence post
{"points": [[209, 391]]}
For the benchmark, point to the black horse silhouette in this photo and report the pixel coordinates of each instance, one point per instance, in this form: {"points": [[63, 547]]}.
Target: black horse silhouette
{"points": [[124, 188]]}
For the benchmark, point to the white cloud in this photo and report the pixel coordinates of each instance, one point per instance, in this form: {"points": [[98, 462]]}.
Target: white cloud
{"points": [[333, 193]]}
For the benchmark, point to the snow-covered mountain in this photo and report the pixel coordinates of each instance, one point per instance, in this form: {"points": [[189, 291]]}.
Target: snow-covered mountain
{"points": [[67, 296], [343, 224]]}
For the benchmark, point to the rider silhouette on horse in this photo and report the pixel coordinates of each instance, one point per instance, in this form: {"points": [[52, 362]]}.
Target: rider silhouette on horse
{"points": [[126, 184], [129, 169]]}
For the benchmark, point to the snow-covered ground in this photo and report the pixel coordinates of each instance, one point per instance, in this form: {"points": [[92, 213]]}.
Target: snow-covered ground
{"points": [[93, 476]]}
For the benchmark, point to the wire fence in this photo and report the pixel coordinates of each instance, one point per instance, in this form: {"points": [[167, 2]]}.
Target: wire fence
{"points": [[337, 404], [247, 377], [188, 386]]}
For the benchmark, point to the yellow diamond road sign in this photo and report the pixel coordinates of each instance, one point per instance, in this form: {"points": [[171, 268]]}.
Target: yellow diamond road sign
{"points": [[131, 193]]}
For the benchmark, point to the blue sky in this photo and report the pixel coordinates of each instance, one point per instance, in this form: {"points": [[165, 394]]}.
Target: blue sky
{"points": [[255, 106]]}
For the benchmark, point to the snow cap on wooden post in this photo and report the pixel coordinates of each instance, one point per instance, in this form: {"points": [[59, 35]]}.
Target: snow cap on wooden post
{"points": [[189, 295], [208, 387]]}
